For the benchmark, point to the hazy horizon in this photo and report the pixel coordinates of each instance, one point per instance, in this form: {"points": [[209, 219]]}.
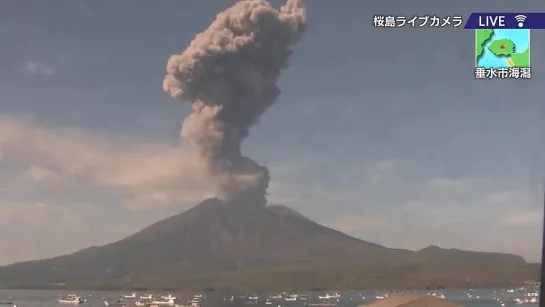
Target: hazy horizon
{"points": [[379, 133]]}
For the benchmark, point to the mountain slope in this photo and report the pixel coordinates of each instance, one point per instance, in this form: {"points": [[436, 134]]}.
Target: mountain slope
{"points": [[436, 255], [217, 237], [209, 237], [283, 210]]}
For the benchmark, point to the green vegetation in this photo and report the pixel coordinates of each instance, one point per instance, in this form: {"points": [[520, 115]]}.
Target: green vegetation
{"points": [[521, 59], [482, 37], [502, 47], [365, 277], [332, 275]]}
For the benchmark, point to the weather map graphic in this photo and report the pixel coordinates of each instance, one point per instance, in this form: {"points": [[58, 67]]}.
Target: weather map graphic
{"points": [[502, 53]]}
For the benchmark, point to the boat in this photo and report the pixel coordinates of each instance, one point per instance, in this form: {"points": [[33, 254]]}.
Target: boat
{"points": [[327, 296], [532, 300], [438, 295], [231, 299], [133, 295], [195, 302], [147, 297], [118, 303], [70, 299], [168, 297], [290, 299], [143, 302], [164, 302]]}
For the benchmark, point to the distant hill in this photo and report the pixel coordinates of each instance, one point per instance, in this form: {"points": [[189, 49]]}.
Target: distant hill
{"points": [[436, 255], [226, 245]]}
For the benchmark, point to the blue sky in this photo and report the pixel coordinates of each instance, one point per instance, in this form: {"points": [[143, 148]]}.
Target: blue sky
{"points": [[380, 133]]}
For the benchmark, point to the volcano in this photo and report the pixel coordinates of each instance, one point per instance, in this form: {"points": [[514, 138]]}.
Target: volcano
{"points": [[216, 238]]}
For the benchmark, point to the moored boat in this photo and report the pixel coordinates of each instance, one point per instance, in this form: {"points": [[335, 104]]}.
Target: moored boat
{"points": [[70, 299]]}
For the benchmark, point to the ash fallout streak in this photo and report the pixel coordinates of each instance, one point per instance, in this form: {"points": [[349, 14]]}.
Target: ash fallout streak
{"points": [[229, 74]]}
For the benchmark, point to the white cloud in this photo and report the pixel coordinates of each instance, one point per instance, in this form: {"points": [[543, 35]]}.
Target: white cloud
{"points": [[148, 174], [38, 230], [37, 173], [381, 170], [409, 215], [38, 69], [386, 165], [527, 218], [63, 189], [160, 198], [448, 184], [475, 222], [501, 197]]}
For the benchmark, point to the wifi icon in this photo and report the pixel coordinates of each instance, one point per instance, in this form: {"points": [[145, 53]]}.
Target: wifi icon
{"points": [[520, 19]]}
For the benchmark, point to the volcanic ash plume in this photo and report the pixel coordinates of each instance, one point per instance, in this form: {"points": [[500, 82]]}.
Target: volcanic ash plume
{"points": [[229, 74]]}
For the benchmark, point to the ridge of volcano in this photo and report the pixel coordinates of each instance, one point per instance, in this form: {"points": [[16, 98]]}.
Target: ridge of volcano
{"points": [[215, 238]]}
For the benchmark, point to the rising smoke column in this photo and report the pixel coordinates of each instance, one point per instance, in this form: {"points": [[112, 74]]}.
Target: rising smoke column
{"points": [[229, 74]]}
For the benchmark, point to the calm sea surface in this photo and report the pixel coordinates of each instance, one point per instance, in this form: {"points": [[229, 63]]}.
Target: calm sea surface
{"points": [[467, 298]]}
